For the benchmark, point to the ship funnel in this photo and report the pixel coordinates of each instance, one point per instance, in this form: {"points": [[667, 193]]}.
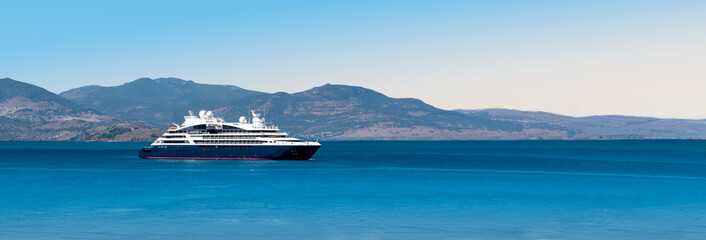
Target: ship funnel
{"points": [[256, 121]]}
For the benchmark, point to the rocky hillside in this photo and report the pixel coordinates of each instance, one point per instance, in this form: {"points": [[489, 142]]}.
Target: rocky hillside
{"points": [[157, 102], [28, 112]]}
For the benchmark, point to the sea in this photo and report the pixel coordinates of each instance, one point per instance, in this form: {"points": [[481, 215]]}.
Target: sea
{"points": [[631, 189]]}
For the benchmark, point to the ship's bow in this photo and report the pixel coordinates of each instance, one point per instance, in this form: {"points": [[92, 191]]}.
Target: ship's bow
{"points": [[304, 152]]}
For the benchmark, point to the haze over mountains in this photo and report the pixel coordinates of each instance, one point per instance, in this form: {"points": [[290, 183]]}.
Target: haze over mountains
{"points": [[601, 127], [141, 109]]}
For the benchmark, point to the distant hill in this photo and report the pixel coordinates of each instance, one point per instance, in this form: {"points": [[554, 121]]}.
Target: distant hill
{"points": [[15, 90], [28, 112], [600, 127], [157, 102]]}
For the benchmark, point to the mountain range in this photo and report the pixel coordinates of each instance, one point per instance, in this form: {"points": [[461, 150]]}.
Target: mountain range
{"points": [[137, 110]]}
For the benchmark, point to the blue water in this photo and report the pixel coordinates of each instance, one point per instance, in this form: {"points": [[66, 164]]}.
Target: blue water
{"points": [[360, 190]]}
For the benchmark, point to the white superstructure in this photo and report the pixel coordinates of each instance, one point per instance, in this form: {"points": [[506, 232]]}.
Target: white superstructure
{"points": [[206, 129]]}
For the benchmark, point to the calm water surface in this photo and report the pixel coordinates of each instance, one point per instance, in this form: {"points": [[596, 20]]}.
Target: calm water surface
{"points": [[360, 190]]}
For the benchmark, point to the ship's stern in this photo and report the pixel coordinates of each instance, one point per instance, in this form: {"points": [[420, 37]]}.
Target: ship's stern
{"points": [[145, 152]]}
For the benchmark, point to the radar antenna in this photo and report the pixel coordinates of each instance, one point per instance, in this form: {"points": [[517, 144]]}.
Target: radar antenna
{"points": [[255, 115]]}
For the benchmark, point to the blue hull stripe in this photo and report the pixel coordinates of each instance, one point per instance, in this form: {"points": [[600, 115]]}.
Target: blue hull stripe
{"points": [[275, 152]]}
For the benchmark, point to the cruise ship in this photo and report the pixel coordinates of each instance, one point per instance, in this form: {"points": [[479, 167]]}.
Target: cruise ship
{"points": [[208, 137]]}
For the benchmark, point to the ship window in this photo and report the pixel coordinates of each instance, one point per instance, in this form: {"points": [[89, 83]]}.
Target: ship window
{"points": [[175, 136]]}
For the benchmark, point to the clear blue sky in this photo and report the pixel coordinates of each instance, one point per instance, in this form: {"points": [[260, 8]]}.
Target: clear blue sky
{"points": [[579, 58]]}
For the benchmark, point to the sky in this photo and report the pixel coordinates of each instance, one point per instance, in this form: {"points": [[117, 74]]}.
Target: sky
{"points": [[578, 58]]}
